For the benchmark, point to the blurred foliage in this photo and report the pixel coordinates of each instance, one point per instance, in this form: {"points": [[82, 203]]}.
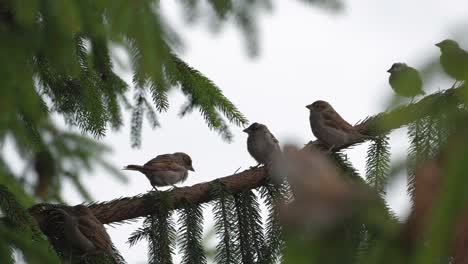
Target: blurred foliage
{"points": [[59, 63], [435, 231], [243, 13], [18, 231]]}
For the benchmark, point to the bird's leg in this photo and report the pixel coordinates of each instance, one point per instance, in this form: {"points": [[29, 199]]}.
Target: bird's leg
{"points": [[174, 187], [154, 188], [237, 170], [256, 166]]}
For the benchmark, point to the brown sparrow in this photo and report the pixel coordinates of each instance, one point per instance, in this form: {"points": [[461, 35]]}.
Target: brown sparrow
{"points": [[330, 128], [164, 170], [83, 231], [261, 143]]}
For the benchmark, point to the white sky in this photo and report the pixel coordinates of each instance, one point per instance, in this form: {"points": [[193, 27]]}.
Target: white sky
{"points": [[306, 54]]}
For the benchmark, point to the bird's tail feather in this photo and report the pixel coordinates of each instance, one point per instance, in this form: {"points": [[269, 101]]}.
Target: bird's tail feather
{"points": [[133, 167]]}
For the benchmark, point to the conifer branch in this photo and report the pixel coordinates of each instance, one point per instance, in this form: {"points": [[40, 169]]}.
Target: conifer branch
{"points": [[127, 208], [139, 206], [385, 122]]}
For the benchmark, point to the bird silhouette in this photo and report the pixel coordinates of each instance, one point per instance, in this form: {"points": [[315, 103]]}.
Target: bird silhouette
{"points": [[454, 60], [405, 80]]}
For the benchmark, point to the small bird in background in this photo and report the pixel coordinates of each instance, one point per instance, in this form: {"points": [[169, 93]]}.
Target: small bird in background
{"points": [[405, 80], [166, 169], [83, 232], [261, 144], [453, 59], [330, 128], [323, 198]]}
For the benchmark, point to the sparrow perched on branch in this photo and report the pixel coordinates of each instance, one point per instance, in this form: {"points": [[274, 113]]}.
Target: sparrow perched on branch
{"points": [[330, 128], [405, 80], [261, 143], [83, 231], [166, 169], [453, 59]]}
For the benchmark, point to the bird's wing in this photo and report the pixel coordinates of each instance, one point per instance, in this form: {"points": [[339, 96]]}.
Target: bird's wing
{"points": [[95, 232], [412, 78], [273, 138], [333, 119], [413, 73], [461, 53], [164, 166], [160, 158], [464, 58]]}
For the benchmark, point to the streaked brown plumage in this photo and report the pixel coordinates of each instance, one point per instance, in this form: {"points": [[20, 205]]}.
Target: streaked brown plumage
{"points": [[330, 128], [166, 169], [261, 143], [84, 232]]}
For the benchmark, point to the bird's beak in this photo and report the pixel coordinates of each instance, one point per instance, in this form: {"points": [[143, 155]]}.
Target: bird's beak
{"points": [[439, 44], [191, 168], [389, 70], [309, 106], [246, 130]]}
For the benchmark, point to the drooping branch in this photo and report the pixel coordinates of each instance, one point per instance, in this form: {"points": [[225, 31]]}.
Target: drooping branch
{"points": [[128, 208]]}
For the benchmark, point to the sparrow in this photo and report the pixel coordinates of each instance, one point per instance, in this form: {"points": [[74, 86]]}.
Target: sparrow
{"points": [[166, 169], [261, 144], [453, 59], [405, 80], [83, 231], [330, 128]]}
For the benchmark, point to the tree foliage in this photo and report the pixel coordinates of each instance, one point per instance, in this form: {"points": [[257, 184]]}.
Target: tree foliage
{"points": [[60, 68]]}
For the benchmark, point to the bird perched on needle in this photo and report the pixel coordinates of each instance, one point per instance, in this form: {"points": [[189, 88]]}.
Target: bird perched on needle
{"points": [[83, 232], [454, 60], [261, 143], [405, 80], [166, 169], [330, 128]]}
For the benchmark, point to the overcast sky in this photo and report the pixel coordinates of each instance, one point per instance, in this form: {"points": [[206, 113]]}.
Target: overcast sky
{"points": [[306, 54]]}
